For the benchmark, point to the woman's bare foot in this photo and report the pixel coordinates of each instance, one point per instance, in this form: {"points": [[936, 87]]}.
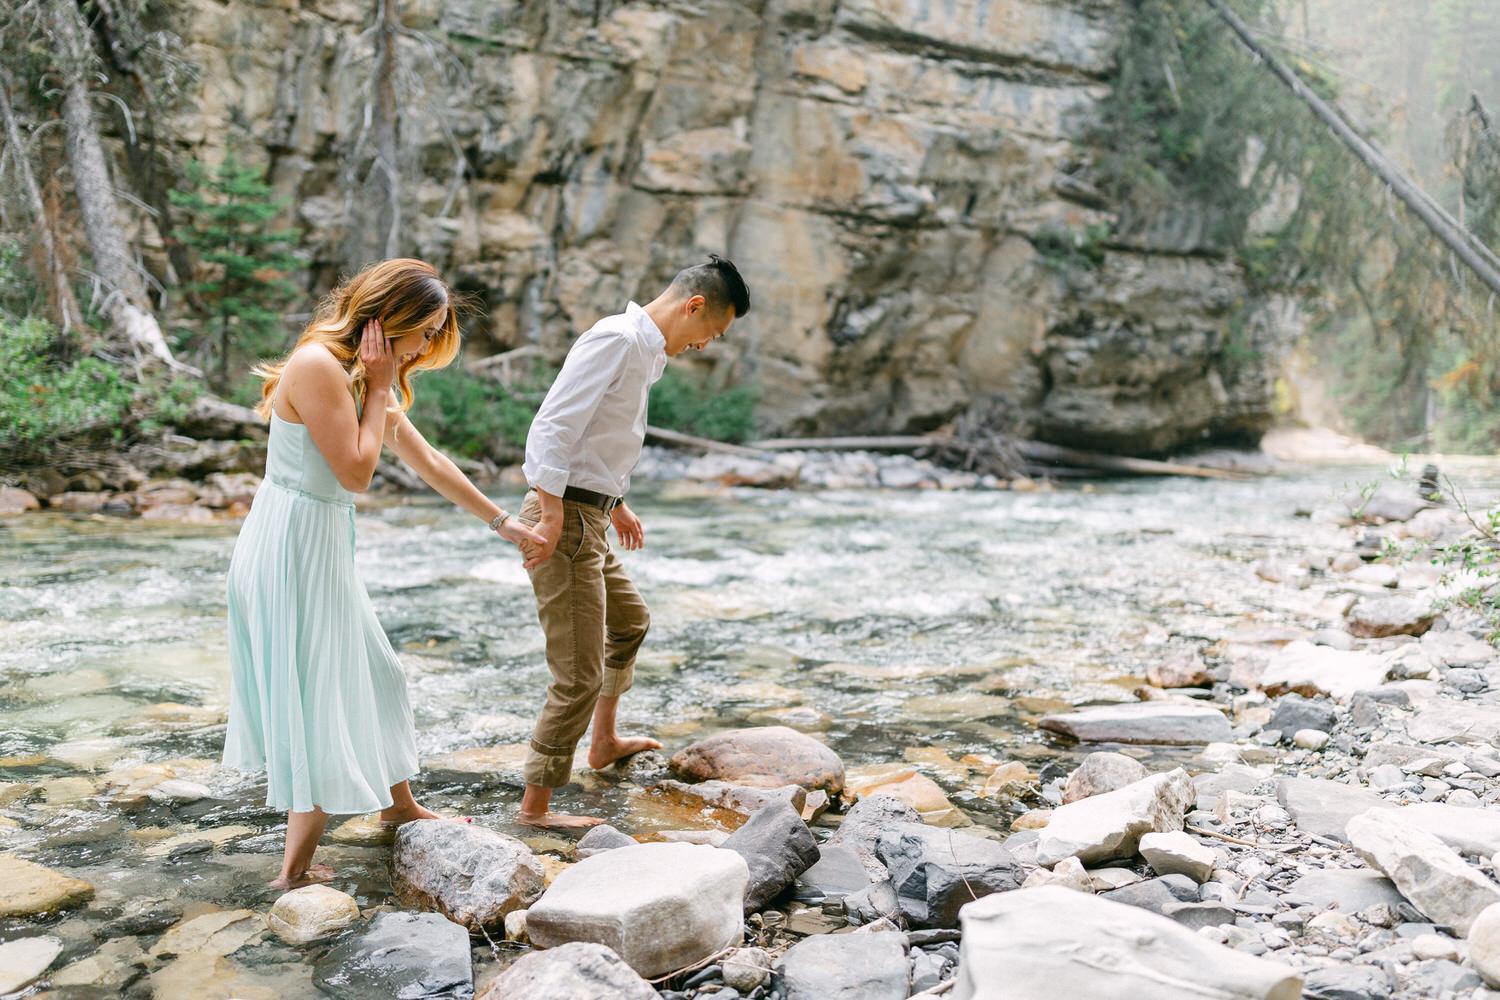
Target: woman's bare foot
{"points": [[314, 875], [606, 753], [394, 817], [550, 820]]}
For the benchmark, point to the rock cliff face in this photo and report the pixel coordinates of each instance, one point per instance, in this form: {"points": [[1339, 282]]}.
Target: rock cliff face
{"points": [[901, 182]]}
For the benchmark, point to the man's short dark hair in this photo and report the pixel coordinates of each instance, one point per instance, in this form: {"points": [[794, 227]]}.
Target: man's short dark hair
{"points": [[719, 283]]}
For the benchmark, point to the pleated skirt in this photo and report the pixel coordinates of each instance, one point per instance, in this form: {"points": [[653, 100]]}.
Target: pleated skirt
{"points": [[318, 699]]}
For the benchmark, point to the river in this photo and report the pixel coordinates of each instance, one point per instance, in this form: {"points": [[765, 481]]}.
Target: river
{"points": [[882, 620]]}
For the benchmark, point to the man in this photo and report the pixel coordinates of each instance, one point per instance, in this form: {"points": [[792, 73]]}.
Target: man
{"points": [[580, 451]]}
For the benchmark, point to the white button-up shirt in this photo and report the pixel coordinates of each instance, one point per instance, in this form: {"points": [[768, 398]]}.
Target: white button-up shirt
{"points": [[589, 430]]}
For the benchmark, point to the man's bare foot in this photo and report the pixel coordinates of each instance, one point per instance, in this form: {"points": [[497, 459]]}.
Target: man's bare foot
{"points": [[551, 820], [314, 875], [606, 753]]}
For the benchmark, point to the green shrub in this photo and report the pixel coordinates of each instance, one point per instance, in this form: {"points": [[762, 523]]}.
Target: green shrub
{"points": [[52, 392], [680, 402]]}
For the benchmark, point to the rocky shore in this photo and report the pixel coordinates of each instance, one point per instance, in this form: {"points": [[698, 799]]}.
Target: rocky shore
{"points": [[1287, 810]]}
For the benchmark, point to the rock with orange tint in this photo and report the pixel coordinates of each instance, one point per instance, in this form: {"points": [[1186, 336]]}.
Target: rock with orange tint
{"points": [[765, 756]]}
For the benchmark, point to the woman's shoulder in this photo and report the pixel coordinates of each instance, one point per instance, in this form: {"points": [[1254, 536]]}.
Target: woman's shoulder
{"points": [[316, 360]]}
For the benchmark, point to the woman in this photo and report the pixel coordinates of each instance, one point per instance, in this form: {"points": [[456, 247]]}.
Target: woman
{"points": [[318, 697]]}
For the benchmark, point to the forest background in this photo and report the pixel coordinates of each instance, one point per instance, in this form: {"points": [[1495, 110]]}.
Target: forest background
{"points": [[140, 278]]}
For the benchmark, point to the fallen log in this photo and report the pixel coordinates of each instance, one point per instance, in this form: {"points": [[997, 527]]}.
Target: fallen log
{"points": [[1038, 451], [681, 440]]}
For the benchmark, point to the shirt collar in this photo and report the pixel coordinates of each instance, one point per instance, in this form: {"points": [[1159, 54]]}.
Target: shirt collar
{"points": [[650, 333]]}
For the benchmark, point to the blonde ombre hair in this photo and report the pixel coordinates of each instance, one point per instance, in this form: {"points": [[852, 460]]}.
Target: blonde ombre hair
{"points": [[406, 295]]}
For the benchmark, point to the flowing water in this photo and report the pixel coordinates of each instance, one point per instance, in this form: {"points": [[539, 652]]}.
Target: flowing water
{"points": [[886, 622]]}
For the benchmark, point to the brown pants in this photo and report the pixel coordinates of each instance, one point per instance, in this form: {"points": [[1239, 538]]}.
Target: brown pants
{"points": [[594, 620]]}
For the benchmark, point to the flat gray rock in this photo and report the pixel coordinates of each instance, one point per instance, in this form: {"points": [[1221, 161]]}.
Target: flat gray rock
{"points": [[837, 873], [860, 830], [1053, 942], [1472, 830], [1347, 890], [1453, 648], [845, 967], [579, 970], [935, 871], [1347, 982], [1324, 807], [1313, 670], [1150, 722]]}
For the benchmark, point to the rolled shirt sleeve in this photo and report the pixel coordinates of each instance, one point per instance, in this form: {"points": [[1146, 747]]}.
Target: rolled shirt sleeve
{"points": [[591, 367]]}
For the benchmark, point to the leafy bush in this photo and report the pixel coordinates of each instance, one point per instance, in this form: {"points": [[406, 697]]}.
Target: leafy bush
{"points": [[680, 402], [51, 392]]}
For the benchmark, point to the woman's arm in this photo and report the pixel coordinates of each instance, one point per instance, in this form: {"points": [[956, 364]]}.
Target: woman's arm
{"points": [[317, 391], [438, 471]]}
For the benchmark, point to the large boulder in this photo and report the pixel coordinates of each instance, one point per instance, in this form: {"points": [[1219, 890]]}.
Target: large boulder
{"points": [[863, 823], [1311, 670], [1111, 825], [765, 757], [1428, 872], [1155, 722], [936, 871], [578, 970], [845, 967], [1484, 944], [467, 873], [400, 955], [1463, 828], [659, 906], [777, 847], [1047, 942]]}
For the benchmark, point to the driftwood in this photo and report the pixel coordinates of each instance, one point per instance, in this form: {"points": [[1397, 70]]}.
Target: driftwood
{"points": [[1038, 451], [681, 440]]}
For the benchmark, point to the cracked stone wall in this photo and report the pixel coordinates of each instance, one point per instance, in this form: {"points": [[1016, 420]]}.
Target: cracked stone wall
{"points": [[883, 171]]}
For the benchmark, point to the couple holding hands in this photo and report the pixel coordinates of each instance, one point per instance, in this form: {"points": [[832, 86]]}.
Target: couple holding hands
{"points": [[318, 698]]}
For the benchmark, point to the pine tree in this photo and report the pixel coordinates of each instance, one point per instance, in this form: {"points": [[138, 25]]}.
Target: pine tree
{"points": [[240, 278]]}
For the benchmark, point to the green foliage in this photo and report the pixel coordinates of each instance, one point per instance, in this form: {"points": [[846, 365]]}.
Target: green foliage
{"points": [[52, 392], [241, 265], [680, 402], [474, 416], [1063, 248]]}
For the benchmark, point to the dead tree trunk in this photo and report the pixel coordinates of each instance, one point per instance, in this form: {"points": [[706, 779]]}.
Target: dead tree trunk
{"points": [[387, 173], [125, 303], [55, 274], [1479, 258]]}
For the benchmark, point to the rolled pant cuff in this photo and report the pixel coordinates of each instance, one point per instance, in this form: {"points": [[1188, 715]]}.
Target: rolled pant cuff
{"points": [[547, 770], [617, 679]]}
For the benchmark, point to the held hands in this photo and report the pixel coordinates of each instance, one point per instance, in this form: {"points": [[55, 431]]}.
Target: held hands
{"points": [[378, 358], [534, 547], [628, 527]]}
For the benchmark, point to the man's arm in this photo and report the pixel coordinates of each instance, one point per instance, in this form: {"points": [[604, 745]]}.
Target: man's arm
{"points": [[589, 370]]}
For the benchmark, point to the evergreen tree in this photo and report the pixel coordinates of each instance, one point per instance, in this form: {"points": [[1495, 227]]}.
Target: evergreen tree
{"points": [[240, 277]]}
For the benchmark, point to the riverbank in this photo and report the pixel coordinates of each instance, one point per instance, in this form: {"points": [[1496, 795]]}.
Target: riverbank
{"points": [[921, 636]]}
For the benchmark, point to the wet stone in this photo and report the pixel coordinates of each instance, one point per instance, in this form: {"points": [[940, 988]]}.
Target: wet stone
{"points": [[578, 970], [27, 888], [468, 873], [602, 838], [23, 960], [401, 954], [1157, 722], [767, 756]]}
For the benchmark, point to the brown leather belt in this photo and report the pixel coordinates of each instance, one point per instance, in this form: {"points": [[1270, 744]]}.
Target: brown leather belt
{"points": [[603, 501]]}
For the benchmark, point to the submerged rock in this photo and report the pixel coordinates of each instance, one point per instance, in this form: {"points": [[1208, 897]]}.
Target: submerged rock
{"points": [[660, 907], [768, 757], [400, 955], [578, 970], [1162, 722], [1050, 942], [27, 889], [845, 967], [1111, 825], [467, 873], [311, 913]]}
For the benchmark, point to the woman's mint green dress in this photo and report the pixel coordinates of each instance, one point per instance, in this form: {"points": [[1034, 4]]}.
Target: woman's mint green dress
{"points": [[318, 698]]}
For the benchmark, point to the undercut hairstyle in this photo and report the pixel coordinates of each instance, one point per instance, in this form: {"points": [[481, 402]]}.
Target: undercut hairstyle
{"points": [[719, 283]]}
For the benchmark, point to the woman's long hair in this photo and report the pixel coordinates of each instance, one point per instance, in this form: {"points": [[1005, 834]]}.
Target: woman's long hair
{"points": [[406, 295]]}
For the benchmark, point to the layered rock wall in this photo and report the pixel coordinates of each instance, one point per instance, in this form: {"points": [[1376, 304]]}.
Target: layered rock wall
{"points": [[883, 171]]}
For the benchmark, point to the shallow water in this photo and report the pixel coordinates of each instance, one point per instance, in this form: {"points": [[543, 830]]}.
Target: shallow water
{"points": [[883, 620]]}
